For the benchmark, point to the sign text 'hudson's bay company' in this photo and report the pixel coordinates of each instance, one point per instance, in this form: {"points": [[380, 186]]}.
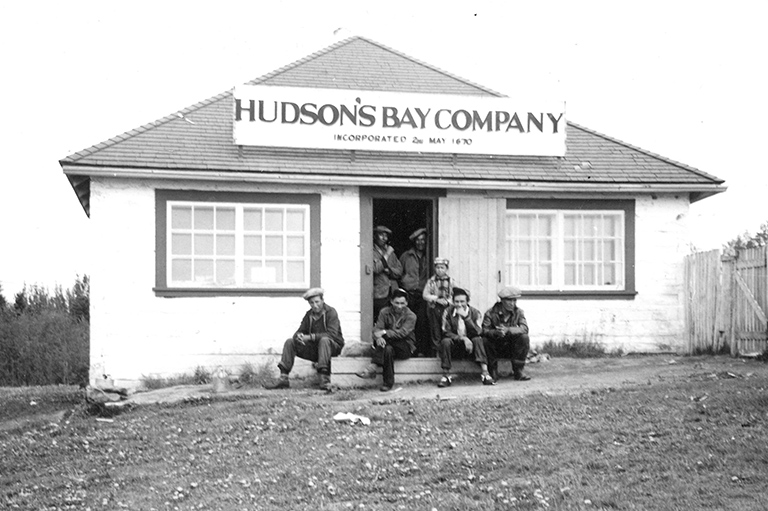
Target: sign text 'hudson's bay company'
{"points": [[386, 121]]}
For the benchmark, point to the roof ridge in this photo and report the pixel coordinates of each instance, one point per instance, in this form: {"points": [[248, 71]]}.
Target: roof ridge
{"points": [[303, 60], [430, 66], [647, 152]]}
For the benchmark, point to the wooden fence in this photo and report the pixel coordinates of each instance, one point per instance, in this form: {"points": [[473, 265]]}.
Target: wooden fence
{"points": [[726, 299]]}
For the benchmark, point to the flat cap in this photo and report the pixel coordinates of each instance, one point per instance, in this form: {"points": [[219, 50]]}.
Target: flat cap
{"points": [[381, 228], [441, 260], [418, 232], [510, 292], [315, 291], [400, 293]]}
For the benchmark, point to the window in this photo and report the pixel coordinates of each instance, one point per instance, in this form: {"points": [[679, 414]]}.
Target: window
{"points": [[232, 242], [575, 246]]}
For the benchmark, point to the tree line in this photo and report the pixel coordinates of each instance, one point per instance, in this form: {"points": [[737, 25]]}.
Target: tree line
{"points": [[45, 336]]}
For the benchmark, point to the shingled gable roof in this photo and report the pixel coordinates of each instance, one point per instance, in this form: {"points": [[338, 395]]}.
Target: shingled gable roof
{"points": [[199, 140]]}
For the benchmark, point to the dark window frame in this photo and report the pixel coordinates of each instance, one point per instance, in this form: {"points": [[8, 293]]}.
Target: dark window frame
{"points": [[626, 205], [161, 243]]}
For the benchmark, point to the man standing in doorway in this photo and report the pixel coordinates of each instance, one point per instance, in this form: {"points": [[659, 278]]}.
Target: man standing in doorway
{"points": [[505, 330], [415, 274], [386, 268], [318, 339]]}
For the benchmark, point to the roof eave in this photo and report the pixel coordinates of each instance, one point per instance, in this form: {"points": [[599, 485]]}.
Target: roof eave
{"points": [[696, 191]]}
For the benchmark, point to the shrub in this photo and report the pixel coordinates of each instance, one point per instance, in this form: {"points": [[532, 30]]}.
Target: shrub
{"points": [[255, 376], [45, 337], [575, 349]]}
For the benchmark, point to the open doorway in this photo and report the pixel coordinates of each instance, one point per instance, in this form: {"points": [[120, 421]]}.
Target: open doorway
{"points": [[403, 216], [402, 211]]}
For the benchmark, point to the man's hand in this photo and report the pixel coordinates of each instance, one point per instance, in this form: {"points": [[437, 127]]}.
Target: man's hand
{"points": [[381, 342], [467, 344], [302, 338], [442, 301]]}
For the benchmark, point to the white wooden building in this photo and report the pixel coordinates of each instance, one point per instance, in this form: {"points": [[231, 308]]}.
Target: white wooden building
{"points": [[206, 232]]}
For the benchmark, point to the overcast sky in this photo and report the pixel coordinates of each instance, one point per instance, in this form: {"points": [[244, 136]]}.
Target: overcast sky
{"points": [[686, 80]]}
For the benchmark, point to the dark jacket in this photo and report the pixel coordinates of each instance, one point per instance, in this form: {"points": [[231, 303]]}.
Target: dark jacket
{"points": [[473, 323], [398, 327], [330, 325], [415, 270], [494, 318], [385, 260]]}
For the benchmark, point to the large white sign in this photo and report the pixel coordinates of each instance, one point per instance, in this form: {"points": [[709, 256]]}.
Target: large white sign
{"points": [[388, 121]]}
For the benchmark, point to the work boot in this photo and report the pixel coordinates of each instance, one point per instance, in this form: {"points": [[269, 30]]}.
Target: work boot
{"points": [[325, 382], [280, 383], [368, 373], [517, 371]]}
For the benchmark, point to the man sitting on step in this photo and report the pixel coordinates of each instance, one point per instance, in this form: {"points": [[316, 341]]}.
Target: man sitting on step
{"points": [[505, 330], [393, 338], [462, 337], [318, 339]]}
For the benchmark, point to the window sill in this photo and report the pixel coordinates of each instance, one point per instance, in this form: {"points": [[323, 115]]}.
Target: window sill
{"points": [[579, 295], [178, 292]]}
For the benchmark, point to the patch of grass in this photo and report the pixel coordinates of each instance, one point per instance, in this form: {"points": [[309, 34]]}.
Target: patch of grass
{"points": [[25, 402], [661, 446], [256, 376], [575, 349], [200, 376], [724, 349]]}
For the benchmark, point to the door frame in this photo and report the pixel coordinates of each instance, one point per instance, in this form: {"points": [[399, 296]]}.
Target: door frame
{"points": [[367, 196]]}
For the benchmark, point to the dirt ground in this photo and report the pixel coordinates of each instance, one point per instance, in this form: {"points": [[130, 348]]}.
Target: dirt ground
{"points": [[554, 376]]}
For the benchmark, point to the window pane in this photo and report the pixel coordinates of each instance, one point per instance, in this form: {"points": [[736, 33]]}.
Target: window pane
{"points": [[294, 221], [273, 246], [524, 251], [591, 226], [181, 270], [609, 277], [273, 221], [524, 275], [277, 268], [295, 271], [545, 225], [570, 227], [589, 250], [225, 244], [570, 274], [570, 250], [545, 274], [225, 272], [225, 219], [181, 217], [610, 225], [203, 271], [252, 246], [181, 244], [590, 275], [524, 226], [545, 250], [295, 246], [252, 219], [203, 244], [204, 218]]}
